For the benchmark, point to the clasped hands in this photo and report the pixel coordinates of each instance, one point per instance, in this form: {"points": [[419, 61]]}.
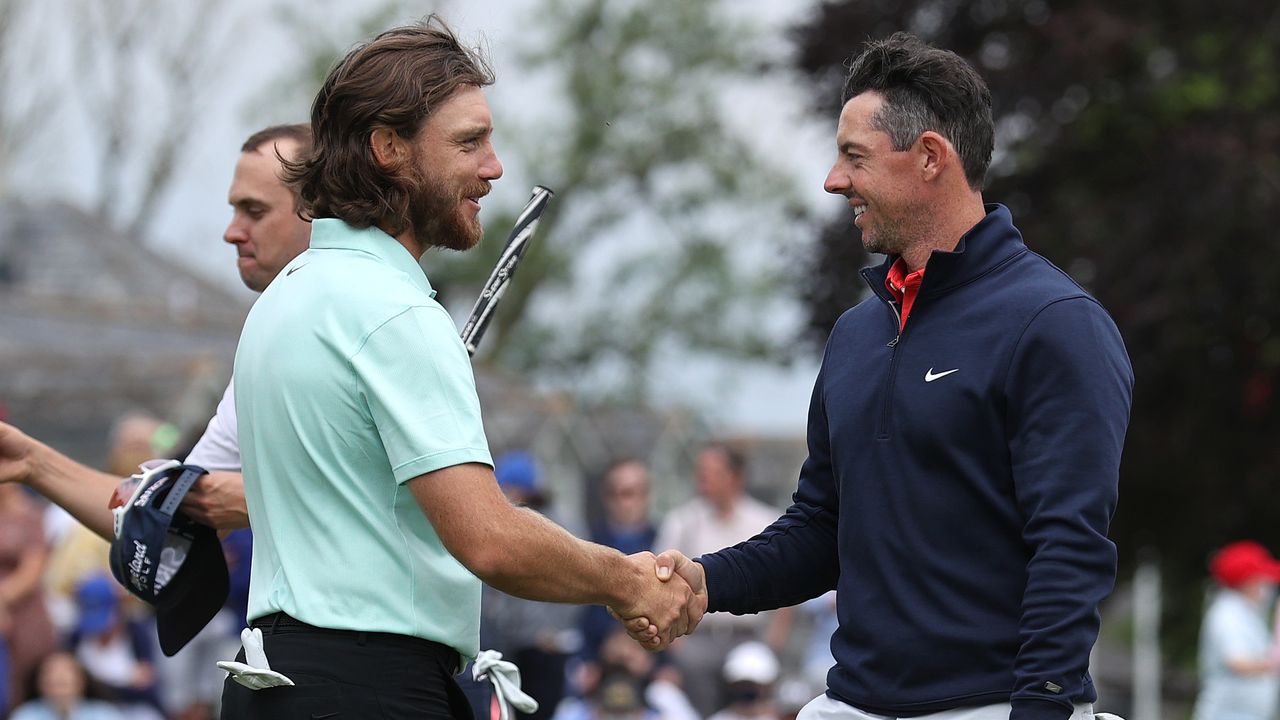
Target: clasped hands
{"points": [[672, 604]]}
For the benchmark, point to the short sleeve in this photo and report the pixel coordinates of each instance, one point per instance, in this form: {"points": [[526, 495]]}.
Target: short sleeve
{"points": [[415, 377], [218, 449]]}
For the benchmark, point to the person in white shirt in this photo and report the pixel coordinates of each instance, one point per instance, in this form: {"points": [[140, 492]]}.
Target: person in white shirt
{"points": [[723, 514], [1239, 672], [267, 233]]}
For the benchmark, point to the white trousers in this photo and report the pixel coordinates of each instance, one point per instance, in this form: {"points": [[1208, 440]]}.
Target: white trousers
{"points": [[824, 708]]}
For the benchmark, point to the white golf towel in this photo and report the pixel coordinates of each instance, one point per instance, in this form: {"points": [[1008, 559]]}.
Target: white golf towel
{"points": [[255, 672], [505, 677]]}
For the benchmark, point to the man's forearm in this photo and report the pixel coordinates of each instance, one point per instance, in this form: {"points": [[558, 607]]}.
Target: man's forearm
{"points": [[544, 562], [533, 558], [75, 487], [522, 553]]}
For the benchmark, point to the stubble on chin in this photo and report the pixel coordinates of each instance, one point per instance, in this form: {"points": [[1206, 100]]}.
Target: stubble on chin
{"points": [[876, 243], [885, 240]]}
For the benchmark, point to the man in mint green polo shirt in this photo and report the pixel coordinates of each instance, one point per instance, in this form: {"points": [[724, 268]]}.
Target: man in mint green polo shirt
{"points": [[368, 478]]}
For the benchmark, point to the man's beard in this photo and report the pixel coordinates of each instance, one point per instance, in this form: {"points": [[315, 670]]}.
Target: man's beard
{"points": [[436, 215]]}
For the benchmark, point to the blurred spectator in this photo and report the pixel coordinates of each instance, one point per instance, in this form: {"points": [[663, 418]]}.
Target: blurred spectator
{"points": [[61, 692], [538, 637], [1238, 670], [817, 658], [618, 696], [115, 649], [628, 682], [76, 555], [722, 515], [137, 438], [625, 526], [792, 695], [750, 672], [24, 620], [76, 552]]}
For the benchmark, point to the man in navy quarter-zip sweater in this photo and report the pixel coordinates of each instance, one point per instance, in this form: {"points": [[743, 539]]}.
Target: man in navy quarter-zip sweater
{"points": [[965, 434]]}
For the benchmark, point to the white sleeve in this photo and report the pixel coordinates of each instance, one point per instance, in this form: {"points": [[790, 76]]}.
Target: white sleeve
{"points": [[219, 448]]}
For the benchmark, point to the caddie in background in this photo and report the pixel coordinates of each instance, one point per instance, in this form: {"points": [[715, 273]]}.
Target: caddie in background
{"points": [[267, 233], [965, 433], [367, 473]]}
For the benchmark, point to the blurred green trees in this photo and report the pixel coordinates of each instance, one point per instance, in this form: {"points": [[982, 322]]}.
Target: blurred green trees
{"points": [[670, 234], [668, 226], [1138, 145]]}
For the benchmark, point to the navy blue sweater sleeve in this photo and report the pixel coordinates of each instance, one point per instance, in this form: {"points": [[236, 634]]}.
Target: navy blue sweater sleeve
{"points": [[797, 557], [1069, 389]]}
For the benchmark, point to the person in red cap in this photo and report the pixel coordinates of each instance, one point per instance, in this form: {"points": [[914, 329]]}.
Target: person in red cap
{"points": [[1239, 673]]}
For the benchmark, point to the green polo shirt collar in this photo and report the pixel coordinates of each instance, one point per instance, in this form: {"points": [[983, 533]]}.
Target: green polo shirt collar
{"points": [[334, 234]]}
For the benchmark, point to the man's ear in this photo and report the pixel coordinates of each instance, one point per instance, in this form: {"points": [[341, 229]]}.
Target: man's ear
{"points": [[390, 150], [936, 153]]}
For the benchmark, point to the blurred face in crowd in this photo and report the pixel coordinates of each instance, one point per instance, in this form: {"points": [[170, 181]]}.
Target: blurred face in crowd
{"points": [[61, 681], [1258, 588], [883, 185], [627, 494], [133, 442], [716, 479], [265, 228], [621, 651], [453, 164]]}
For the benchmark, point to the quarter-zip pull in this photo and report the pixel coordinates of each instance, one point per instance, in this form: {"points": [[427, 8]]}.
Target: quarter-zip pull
{"points": [[897, 324]]}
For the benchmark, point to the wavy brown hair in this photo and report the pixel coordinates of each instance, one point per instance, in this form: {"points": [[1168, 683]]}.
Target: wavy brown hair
{"points": [[394, 81]]}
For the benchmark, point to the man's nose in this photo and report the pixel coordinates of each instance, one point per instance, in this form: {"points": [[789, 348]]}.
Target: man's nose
{"points": [[235, 233], [491, 168], [837, 183]]}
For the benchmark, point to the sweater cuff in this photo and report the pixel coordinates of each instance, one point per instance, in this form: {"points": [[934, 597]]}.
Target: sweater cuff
{"points": [[711, 575], [1034, 709]]}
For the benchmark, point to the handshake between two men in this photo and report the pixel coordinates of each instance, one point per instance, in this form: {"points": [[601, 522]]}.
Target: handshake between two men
{"points": [[673, 608]]}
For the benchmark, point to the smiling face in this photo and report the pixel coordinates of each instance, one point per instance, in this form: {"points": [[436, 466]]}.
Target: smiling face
{"points": [[884, 186], [265, 228], [452, 166]]}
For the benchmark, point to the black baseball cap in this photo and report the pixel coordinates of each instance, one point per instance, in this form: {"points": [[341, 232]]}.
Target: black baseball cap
{"points": [[167, 559]]}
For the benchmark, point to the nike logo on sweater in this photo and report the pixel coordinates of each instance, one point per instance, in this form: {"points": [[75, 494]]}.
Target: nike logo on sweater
{"points": [[930, 376]]}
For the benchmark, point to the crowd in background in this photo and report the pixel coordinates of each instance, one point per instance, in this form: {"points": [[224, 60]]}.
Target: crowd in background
{"points": [[74, 645]]}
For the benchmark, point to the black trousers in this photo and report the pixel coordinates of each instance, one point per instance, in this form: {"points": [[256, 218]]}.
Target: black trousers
{"points": [[345, 675]]}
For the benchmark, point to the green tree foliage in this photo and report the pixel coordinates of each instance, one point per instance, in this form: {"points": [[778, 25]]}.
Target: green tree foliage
{"points": [[1137, 147], [670, 231]]}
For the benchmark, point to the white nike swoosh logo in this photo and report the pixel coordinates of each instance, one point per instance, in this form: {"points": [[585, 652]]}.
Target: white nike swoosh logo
{"points": [[929, 376]]}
